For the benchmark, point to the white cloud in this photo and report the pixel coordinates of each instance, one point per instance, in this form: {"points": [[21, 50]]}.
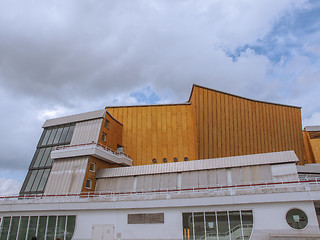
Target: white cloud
{"points": [[66, 57], [314, 120], [9, 186]]}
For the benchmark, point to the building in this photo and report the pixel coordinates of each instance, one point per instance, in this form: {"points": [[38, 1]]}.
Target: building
{"points": [[219, 166]]}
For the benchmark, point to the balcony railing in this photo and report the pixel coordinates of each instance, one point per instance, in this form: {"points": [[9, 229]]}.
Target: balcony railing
{"points": [[92, 149], [266, 185]]}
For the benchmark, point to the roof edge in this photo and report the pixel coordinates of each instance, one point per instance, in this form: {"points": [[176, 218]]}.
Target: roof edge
{"points": [[150, 105], [233, 95]]}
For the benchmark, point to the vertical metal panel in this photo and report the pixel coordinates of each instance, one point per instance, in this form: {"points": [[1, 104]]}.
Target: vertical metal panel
{"points": [[236, 175], [86, 132], [67, 176], [255, 171], [265, 173], [222, 177], [203, 178], [212, 178], [246, 175]]}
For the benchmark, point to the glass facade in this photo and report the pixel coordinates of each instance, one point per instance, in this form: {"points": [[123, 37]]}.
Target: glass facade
{"points": [[41, 163], [43, 227], [222, 225]]}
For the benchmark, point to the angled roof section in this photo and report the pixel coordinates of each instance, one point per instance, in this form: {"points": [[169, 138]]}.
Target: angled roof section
{"points": [[249, 99], [75, 118]]}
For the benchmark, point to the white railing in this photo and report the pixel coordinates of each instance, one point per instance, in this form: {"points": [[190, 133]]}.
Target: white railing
{"points": [[112, 194], [76, 146]]}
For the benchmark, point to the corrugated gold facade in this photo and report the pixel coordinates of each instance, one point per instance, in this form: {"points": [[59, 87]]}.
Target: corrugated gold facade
{"points": [[212, 125]]}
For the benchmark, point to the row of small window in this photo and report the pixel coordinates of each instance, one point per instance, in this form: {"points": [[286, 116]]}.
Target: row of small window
{"points": [[166, 160], [57, 135], [229, 225], [35, 181], [42, 227]]}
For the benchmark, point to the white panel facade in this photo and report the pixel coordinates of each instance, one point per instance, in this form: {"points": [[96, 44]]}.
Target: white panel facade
{"points": [[67, 176], [86, 132], [75, 118]]}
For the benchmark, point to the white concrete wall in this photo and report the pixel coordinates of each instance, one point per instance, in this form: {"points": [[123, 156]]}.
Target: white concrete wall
{"points": [[268, 219], [86, 132], [67, 176]]}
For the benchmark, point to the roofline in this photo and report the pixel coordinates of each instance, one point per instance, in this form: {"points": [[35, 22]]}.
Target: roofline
{"points": [[113, 117], [233, 95], [151, 105]]}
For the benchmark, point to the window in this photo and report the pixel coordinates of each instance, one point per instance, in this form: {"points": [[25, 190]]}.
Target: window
{"points": [[146, 218], [92, 167], [26, 227], [88, 183], [297, 218], [104, 137], [106, 124], [211, 225], [40, 166]]}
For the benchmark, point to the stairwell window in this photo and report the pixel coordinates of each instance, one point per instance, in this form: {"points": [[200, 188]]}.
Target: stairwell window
{"points": [[104, 137], [106, 124], [92, 167], [88, 183]]}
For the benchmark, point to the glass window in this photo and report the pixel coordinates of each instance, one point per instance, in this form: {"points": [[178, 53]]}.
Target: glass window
{"points": [[58, 135], [223, 226], [199, 229], [39, 155], [187, 222], [92, 167], [49, 160], [51, 227], [45, 157], [31, 180], [32, 230], [106, 124], [104, 137], [64, 134], [70, 133], [235, 225], [211, 225], [297, 218], [44, 179], [70, 227], [46, 137], [88, 183], [247, 223], [42, 227], [61, 227], [5, 228], [23, 228], [52, 135], [14, 227], [37, 180]]}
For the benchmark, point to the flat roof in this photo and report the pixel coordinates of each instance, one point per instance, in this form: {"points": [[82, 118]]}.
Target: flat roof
{"points": [[198, 165]]}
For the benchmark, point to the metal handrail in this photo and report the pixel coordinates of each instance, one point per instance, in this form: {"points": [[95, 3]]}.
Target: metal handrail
{"points": [[164, 191], [93, 143]]}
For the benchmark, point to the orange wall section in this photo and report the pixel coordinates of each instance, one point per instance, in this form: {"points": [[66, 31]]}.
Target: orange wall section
{"points": [[157, 131], [99, 164], [114, 133], [312, 146], [228, 125]]}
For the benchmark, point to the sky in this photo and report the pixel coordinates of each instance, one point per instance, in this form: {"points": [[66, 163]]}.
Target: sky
{"points": [[65, 57]]}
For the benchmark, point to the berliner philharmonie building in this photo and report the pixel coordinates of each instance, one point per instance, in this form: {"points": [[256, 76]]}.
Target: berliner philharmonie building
{"points": [[218, 166]]}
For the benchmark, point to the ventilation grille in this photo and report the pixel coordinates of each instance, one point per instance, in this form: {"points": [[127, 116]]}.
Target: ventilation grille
{"points": [[145, 218]]}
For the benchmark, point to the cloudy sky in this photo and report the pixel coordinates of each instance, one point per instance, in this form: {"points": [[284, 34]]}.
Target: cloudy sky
{"points": [[64, 57]]}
